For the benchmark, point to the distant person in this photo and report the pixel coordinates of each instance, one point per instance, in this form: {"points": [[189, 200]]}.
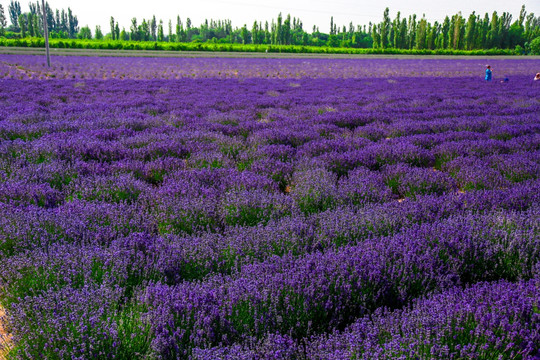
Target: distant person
{"points": [[505, 80], [537, 77], [488, 73]]}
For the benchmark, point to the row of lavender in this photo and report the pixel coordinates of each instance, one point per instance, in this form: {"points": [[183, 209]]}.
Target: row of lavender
{"points": [[318, 218], [86, 67]]}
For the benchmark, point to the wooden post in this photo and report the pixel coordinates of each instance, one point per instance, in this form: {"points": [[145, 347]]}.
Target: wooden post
{"points": [[46, 33]]}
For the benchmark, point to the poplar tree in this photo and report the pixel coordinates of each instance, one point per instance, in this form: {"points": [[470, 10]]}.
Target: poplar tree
{"points": [[113, 32], [160, 36], [403, 34], [153, 27], [2, 20], [385, 28], [22, 25], [485, 30], [73, 24], [470, 32], [254, 33], [134, 30], [14, 10], [179, 29], [98, 34], [267, 34], [493, 34], [279, 30], [395, 42], [30, 24], [421, 34], [445, 29], [244, 34], [287, 30]]}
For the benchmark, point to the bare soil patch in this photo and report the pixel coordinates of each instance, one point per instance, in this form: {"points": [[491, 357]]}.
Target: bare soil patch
{"points": [[5, 337]]}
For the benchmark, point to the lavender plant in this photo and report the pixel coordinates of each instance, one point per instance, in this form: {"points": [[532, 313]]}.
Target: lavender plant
{"points": [[268, 209]]}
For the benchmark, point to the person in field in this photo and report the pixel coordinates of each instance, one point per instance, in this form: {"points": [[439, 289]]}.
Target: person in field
{"points": [[537, 77], [488, 73]]}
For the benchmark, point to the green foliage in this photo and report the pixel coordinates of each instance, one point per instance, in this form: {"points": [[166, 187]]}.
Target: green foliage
{"points": [[217, 47], [535, 46], [85, 33], [456, 35]]}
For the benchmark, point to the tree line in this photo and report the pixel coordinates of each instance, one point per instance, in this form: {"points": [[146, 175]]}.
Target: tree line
{"points": [[457, 32], [280, 31], [453, 33], [60, 23]]}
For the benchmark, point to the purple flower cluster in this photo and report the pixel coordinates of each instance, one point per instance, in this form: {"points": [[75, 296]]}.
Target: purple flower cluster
{"points": [[102, 68], [485, 321], [216, 209]]}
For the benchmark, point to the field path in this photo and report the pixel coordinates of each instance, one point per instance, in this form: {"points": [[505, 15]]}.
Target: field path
{"points": [[226, 54]]}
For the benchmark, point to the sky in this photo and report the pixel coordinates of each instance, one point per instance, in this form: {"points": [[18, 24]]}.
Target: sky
{"points": [[240, 12]]}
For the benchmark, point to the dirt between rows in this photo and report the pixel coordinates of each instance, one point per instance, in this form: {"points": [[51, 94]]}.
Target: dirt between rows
{"points": [[5, 338]]}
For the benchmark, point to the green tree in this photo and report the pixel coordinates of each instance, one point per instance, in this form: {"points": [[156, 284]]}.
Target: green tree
{"points": [[245, 34], [403, 34], [535, 46], [134, 30], [124, 35], [396, 31], [153, 28], [37, 26], [98, 33], [160, 34], [432, 33], [22, 25], [51, 23], [144, 31], [113, 32], [179, 29], [30, 24], [287, 30], [411, 32], [504, 30], [532, 27], [470, 32], [3, 22], [445, 29], [493, 34], [484, 29], [188, 30], [279, 30], [64, 25], [85, 33], [457, 32], [255, 33], [385, 29], [376, 35], [73, 24], [421, 34], [267, 34], [14, 10]]}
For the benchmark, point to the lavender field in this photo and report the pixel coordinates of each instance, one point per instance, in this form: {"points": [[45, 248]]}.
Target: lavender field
{"points": [[269, 209]]}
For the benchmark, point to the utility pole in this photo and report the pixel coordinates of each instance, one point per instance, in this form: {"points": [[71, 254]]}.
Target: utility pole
{"points": [[46, 32]]}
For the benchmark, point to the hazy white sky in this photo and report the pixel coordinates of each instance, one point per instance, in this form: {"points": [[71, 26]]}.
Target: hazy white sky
{"points": [[311, 12]]}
